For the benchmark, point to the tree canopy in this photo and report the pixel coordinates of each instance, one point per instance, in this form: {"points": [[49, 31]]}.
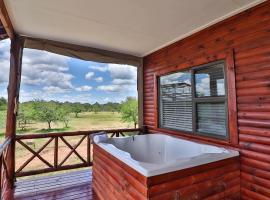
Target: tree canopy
{"points": [[129, 111], [3, 103], [53, 111], [46, 112]]}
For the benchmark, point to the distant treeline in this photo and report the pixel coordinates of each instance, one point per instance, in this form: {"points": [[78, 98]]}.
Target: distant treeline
{"points": [[52, 111], [79, 107]]}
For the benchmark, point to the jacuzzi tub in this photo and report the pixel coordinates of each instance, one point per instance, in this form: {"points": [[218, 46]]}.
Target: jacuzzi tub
{"points": [[146, 163], [155, 154]]}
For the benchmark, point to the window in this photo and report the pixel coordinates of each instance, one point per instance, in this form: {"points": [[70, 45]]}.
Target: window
{"points": [[195, 101], [176, 101]]}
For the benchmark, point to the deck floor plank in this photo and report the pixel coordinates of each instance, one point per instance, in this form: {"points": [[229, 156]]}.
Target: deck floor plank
{"points": [[66, 186]]}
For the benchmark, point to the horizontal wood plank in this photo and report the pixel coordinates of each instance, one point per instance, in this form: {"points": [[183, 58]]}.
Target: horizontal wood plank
{"points": [[64, 186]]}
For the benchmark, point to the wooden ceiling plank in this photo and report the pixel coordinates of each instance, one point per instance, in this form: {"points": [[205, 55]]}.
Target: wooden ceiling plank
{"points": [[5, 20]]}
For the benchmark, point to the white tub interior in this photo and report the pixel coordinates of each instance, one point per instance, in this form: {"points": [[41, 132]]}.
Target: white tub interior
{"points": [[155, 154]]}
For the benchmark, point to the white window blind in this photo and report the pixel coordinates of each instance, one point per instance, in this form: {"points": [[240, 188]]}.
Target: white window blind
{"points": [[195, 100]]}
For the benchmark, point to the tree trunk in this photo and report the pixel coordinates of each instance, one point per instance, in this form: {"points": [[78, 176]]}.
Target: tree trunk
{"points": [[135, 124], [66, 124], [49, 125]]}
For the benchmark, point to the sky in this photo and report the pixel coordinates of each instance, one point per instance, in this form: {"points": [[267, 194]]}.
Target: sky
{"points": [[48, 76]]}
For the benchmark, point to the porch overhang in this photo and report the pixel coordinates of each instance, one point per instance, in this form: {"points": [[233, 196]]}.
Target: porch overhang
{"points": [[131, 28]]}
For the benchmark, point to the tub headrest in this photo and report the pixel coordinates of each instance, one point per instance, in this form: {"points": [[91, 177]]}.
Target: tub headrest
{"points": [[98, 137]]}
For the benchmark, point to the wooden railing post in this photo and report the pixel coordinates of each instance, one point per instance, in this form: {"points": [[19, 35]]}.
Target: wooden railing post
{"points": [[56, 152], [13, 99], [1, 160], [88, 149]]}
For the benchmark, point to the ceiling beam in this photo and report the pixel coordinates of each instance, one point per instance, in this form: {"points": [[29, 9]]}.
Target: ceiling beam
{"points": [[81, 52], [5, 20]]}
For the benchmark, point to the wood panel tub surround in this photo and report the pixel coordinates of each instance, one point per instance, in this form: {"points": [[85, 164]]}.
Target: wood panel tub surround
{"points": [[113, 179], [172, 168], [248, 34]]}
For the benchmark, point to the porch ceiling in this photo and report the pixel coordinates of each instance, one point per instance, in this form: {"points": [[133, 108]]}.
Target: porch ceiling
{"points": [[136, 27]]}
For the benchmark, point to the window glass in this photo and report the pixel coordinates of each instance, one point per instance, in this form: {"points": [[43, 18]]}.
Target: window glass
{"points": [[181, 108], [210, 81], [176, 101], [211, 118]]}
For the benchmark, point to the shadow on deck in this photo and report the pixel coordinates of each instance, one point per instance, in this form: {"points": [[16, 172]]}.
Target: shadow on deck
{"points": [[65, 186]]}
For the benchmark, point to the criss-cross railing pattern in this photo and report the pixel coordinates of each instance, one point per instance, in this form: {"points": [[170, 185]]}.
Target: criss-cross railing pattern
{"points": [[4, 173], [53, 140]]}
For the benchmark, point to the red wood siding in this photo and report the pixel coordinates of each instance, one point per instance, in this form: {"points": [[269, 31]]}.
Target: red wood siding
{"points": [[248, 36]]}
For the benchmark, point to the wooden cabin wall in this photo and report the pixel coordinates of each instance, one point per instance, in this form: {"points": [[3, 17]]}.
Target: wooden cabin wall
{"points": [[248, 36]]}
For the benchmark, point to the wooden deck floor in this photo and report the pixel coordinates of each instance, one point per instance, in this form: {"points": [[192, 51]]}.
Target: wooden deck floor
{"points": [[66, 186]]}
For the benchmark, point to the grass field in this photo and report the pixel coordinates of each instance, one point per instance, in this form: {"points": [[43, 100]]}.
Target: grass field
{"points": [[2, 124], [85, 121]]}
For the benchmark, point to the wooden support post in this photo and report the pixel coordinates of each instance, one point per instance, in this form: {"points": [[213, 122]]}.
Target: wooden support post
{"points": [[4, 18], [144, 130], [140, 92], [13, 99]]}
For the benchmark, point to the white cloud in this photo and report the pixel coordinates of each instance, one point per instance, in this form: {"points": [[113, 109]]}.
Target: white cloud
{"points": [[83, 98], [122, 71], [35, 94], [110, 88], [99, 68], [202, 87], [83, 88], [124, 89], [38, 67], [124, 81], [89, 75], [4, 61], [179, 77], [44, 68], [39, 94], [54, 90], [99, 79]]}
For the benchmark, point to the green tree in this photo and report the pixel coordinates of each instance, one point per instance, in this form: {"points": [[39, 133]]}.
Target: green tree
{"points": [[129, 111], [64, 114], [2, 120], [96, 107], [3, 103], [25, 115], [46, 112], [76, 109]]}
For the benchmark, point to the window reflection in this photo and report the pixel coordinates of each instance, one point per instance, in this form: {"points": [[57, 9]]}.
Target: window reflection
{"points": [[210, 81]]}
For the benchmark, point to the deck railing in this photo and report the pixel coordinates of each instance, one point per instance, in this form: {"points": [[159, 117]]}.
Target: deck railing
{"points": [[5, 181], [84, 157]]}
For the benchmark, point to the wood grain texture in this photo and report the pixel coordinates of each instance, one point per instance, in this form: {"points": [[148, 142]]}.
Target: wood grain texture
{"points": [[75, 185], [248, 35], [12, 105], [113, 179], [5, 21]]}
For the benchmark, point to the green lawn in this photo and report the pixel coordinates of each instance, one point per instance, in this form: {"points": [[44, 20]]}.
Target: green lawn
{"points": [[85, 121], [2, 124]]}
